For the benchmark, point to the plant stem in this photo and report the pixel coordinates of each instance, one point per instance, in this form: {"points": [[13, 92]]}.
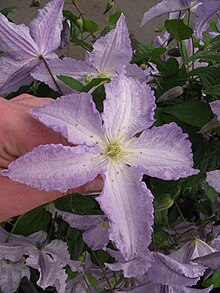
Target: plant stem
{"points": [[54, 80]]}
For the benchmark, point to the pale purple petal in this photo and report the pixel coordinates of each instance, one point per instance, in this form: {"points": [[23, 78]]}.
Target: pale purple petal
{"points": [[49, 271], [167, 271], [15, 40], [128, 107], [192, 249], [46, 28], [112, 50], [213, 179], [75, 116], [97, 237], [163, 152], [203, 13], [135, 72], [10, 252], [128, 205], [215, 106], [211, 260], [11, 275], [165, 6], [68, 67], [55, 167], [133, 268], [15, 73]]}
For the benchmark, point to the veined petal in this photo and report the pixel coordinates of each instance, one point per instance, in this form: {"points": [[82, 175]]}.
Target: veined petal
{"points": [[15, 73], [203, 13], [211, 260], [55, 167], [215, 106], [167, 271], [46, 28], [128, 107], [15, 40], [213, 179], [128, 205], [75, 116], [165, 6], [112, 50], [135, 72], [133, 268], [67, 66], [163, 152]]}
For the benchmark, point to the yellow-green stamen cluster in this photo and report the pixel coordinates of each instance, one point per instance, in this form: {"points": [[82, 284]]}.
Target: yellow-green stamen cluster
{"points": [[114, 150]]}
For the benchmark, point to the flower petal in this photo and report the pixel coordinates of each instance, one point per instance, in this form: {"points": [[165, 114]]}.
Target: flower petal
{"points": [[211, 261], [67, 66], [128, 107], [163, 152], [11, 275], [75, 116], [213, 179], [55, 167], [112, 50], [165, 6], [215, 106], [128, 204], [46, 28], [15, 40], [167, 271], [203, 13], [15, 73], [133, 268]]}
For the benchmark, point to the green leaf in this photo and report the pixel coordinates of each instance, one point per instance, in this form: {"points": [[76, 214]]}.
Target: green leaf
{"points": [[112, 20], [95, 82], [6, 11], [168, 68], [33, 221], [213, 91], [81, 43], [75, 32], [210, 192], [71, 82], [194, 113], [90, 26], [164, 203], [206, 56], [213, 281], [209, 76], [178, 29]]}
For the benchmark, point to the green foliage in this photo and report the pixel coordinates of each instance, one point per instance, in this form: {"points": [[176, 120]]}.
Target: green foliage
{"points": [[178, 29]]}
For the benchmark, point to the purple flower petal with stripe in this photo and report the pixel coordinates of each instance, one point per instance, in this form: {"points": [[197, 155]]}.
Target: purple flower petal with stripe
{"points": [[167, 6], [108, 150], [27, 45], [215, 106]]}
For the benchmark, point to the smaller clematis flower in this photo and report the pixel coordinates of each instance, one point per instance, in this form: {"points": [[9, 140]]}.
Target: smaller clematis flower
{"points": [[112, 149], [26, 47], [213, 177], [48, 258], [110, 57], [96, 227]]}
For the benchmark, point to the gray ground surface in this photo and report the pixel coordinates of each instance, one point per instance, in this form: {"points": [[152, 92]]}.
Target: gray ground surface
{"points": [[133, 10]]}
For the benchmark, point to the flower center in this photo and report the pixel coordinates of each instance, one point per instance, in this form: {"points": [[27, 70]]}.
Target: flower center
{"points": [[103, 75], [114, 150]]}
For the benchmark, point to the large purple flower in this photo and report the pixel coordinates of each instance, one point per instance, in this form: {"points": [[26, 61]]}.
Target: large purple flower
{"points": [[110, 148], [110, 56], [26, 46]]}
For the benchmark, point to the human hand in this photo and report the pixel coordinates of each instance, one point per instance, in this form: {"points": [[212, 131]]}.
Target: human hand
{"points": [[19, 133]]}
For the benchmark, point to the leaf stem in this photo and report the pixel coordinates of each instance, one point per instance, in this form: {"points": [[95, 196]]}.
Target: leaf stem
{"points": [[51, 74]]}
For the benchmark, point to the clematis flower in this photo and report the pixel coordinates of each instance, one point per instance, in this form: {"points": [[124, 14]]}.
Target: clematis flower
{"points": [[111, 56], [213, 177], [112, 150], [48, 258], [96, 227], [24, 47]]}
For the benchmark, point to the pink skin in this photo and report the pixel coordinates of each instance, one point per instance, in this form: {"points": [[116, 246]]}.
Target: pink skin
{"points": [[19, 133]]}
